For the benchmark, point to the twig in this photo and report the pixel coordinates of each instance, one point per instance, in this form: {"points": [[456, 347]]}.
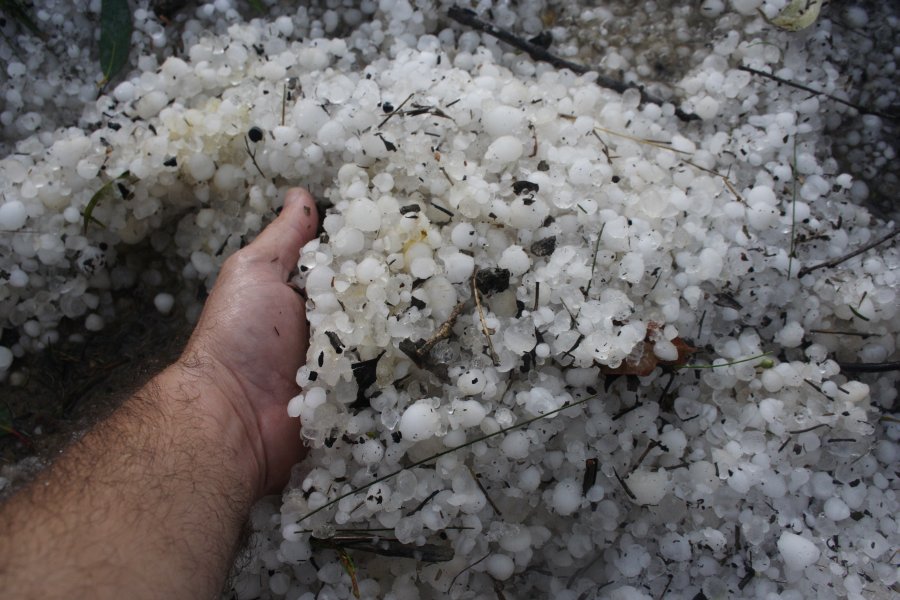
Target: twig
{"points": [[452, 581], [394, 112], [799, 86], [883, 367], [443, 332], [836, 261], [484, 327], [484, 491], [252, 156], [468, 17], [835, 332]]}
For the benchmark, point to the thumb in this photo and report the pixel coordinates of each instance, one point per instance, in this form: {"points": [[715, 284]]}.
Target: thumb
{"points": [[281, 241]]}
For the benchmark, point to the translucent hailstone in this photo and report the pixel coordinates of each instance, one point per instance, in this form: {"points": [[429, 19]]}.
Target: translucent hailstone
{"points": [[164, 303], [363, 214], [503, 150], [471, 382], [796, 551], [648, 487], [503, 120], [515, 445], [420, 421], [836, 509], [515, 260], [466, 413], [12, 215], [566, 496], [93, 322], [500, 566], [6, 358], [369, 452], [201, 167], [464, 236], [458, 267]]}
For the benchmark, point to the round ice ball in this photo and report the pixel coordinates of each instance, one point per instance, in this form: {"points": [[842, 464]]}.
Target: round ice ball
{"points": [[471, 382], [368, 453], [502, 120], [201, 167], [515, 260], [363, 214], [797, 552], [6, 358], [164, 303], [648, 487], [504, 150], [12, 215], [500, 566], [566, 497], [420, 421]]}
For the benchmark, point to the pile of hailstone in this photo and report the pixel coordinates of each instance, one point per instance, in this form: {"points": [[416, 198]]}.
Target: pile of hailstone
{"points": [[588, 312]]}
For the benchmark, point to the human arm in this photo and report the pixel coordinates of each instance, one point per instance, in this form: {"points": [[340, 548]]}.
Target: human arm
{"points": [[150, 503]]}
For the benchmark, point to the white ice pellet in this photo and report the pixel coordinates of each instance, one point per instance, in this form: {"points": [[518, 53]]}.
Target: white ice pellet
{"points": [[504, 150], [201, 167], [648, 487], [363, 214], [566, 497], [796, 551], [503, 120], [500, 566], [420, 421], [471, 382], [164, 303], [515, 260], [836, 509], [463, 236], [515, 446], [6, 358], [93, 322], [12, 215]]}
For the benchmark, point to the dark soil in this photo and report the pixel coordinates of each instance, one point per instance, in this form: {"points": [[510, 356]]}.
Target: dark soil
{"points": [[71, 386]]}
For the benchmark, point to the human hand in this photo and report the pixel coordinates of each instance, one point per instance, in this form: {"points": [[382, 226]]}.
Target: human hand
{"points": [[252, 336]]}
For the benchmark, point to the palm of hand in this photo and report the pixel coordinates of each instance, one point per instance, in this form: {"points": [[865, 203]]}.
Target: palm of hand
{"points": [[253, 331]]}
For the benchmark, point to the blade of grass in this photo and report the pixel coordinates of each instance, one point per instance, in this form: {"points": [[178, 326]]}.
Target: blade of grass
{"points": [[728, 364], [95, 199], [793, 210]]}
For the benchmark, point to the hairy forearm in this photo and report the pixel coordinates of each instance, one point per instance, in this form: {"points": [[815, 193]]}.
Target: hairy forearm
{"points": [[149, 504]]}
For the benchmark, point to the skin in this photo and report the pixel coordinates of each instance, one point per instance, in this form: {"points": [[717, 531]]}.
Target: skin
{"points": [[151, 502]]}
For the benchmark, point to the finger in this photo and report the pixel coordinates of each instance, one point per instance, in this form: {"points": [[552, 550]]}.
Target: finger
{"points": [[280, 242]]}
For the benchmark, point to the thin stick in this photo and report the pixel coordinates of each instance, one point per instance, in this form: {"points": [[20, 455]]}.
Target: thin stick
{"points": [[793, 211], [836, 332], [470, 18], [419, 463], [594, 262], [799, 86], [484, 491], [394, 112], [883, 367], [836, 261], [443, 331], [452, 581], [484, 327]]}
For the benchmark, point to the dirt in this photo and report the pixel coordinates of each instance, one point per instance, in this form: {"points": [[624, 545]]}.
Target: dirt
{"points": [[71, 386]]}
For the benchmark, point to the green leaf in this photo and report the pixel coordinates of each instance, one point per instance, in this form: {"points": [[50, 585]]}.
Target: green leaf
{"points": [[115, 37], [257, 6]]}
